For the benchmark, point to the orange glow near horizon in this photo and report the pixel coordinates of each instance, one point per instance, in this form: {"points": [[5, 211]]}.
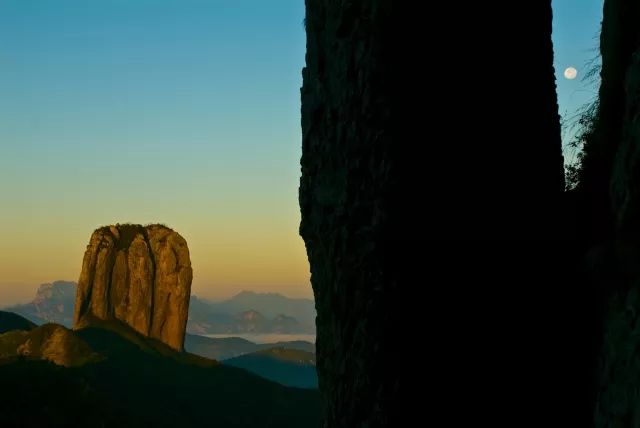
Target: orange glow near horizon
{"points": [[267, 257], [156, 118]]}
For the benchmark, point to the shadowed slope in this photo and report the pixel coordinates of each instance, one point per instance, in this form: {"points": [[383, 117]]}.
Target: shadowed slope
{"points": [[143, 382], [229, 347], [10, 321], [289, 367]]}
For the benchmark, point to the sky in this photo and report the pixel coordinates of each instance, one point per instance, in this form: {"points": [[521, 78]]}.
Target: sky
{"points": [[184, 112], [576, 32]]}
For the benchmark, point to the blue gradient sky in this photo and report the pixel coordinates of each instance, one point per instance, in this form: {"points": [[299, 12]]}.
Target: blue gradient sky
{"points": [[177, 111], [576, 32]]}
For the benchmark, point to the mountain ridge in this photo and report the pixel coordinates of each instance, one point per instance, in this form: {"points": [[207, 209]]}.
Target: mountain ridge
{"points": [[282, 314], [229, 347], [139, 382], [10, 321], [55, 301], [290, 367]]}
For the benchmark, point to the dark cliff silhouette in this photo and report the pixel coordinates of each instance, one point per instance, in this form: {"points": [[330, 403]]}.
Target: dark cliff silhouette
{"points": [[453, 216], [344, 190], [531, 293], [462, 213], [608, 207]]}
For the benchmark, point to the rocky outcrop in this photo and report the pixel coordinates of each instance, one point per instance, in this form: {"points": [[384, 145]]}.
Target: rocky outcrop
{"points": [[140, 276], [51, 342]]}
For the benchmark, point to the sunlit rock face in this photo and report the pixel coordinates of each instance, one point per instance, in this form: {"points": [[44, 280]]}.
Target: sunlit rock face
{"points": [[51, 342], [140, 276]]}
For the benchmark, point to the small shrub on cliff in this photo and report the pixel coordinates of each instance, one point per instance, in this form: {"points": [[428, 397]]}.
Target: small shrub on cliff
{"points": [[574, 150], [583, 122]]}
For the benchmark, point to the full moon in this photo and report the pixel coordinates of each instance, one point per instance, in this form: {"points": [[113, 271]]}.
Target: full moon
{"points": [[570, 73]]}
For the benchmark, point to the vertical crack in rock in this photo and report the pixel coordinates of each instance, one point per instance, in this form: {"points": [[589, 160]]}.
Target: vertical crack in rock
{"points": [[140, 276]]}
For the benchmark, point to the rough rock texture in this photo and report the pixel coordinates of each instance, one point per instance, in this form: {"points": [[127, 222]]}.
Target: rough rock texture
{"points": [[612, 173], [138, 275], [478, 161], [344, 177], [618, 41], [619, 370], [51, 342], [625, 181]]}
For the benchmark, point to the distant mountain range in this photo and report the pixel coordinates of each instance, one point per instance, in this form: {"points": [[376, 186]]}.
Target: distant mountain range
{"points": [[249, 312], [288, 363], [230, 347], [53, 303], [270, 305], [246, 312]]}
